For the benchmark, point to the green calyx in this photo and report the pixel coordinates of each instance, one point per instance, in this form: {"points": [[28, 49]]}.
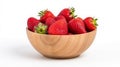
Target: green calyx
{"points": [[41, 13], [95, 21], [72, 11], [41, 28]]}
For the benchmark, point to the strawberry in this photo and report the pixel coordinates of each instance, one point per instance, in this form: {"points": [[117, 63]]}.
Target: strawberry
{"points": [[58, 28], [60, 17], [90, 23], [31, 23], [44, 15], [68, 13], [49, 21], [76, 26], [70, 34], [41, 28]]}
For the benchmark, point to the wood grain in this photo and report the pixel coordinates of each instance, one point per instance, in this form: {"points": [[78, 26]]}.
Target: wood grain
{"points": [[61, 46]]}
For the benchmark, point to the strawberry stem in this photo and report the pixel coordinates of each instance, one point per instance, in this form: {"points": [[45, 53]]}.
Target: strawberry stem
{"points": [[95, 21], [41, 13], [72, 11], [41, 28]]}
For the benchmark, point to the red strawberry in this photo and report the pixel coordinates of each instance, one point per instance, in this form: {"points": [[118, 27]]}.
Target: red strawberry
{"points": [[70, 34], [58, 28], [76, 26], [90, 23], [68, 13], [49, 21], [60, 17], [31, 23], [44, 15]]}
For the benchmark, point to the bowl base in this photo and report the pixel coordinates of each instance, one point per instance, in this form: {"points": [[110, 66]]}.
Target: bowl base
{"points": [[61, 57]]}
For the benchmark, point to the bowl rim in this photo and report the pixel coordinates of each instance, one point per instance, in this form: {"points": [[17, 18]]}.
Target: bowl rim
{"points": [[60, 35]]}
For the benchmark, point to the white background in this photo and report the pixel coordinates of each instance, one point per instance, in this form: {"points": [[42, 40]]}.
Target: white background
{"points": [[16, 51]]}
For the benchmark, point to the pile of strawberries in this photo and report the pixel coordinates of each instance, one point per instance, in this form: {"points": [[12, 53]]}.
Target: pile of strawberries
{"points": [[62, 24]]}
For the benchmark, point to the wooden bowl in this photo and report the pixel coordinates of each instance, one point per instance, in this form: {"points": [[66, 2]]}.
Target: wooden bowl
{"points": [[61, 46]]}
